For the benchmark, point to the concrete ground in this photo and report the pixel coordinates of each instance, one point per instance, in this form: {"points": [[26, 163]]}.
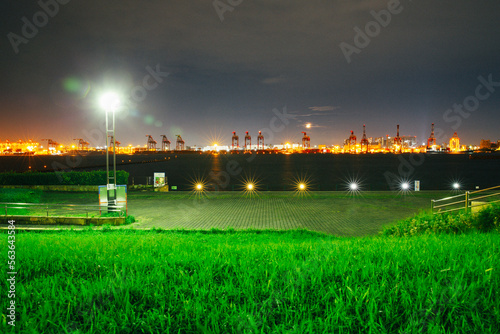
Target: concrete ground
{"points": [[338, 213]]}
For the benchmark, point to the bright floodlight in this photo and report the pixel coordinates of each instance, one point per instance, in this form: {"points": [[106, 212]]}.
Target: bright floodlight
{"points": [[456, 185], [405, 186], [199, 186], [302, 186], [353, 186], [250, 186], [109, 101]]}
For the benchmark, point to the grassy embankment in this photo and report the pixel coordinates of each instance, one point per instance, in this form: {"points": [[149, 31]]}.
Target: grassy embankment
{"points": [[254, 282]]}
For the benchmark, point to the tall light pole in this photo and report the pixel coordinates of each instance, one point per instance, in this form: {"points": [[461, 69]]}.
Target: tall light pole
{"points": [[110, 103]]}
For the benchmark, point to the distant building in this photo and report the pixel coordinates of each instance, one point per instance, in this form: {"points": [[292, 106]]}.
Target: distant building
{"points": [[409, 141], [485, 144], [455, 143]]}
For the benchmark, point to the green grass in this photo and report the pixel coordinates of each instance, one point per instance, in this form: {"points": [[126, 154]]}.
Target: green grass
{"points": [[254, 282], [8, 195]]}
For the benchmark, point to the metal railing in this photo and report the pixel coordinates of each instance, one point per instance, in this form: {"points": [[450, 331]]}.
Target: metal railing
{"points": [[453, 203], [47, 210]]}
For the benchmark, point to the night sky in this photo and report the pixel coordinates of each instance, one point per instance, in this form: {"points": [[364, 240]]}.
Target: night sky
{"points": [[223, 66]]}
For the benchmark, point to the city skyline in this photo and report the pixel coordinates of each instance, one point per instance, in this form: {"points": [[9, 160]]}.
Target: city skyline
{"points": [[205, 69]]}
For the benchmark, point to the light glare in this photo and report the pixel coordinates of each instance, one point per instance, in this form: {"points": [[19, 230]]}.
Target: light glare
{"points": [[109, 101]]}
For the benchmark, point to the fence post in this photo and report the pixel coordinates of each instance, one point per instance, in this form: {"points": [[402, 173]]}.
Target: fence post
{"points": [[432, 206], [466, 202]]}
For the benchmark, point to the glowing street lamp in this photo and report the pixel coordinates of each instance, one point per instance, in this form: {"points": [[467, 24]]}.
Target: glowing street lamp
{"points": [[302, 186], [456, 186], [250, 186], [353, 186], [405, 186], [110, 102]]}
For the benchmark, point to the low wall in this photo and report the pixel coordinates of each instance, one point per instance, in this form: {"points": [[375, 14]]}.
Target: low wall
{"points": [[82, 221]]}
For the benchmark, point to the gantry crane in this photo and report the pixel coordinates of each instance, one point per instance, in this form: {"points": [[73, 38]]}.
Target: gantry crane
{"points": [[82, 144], [165, 143], [51, 143], [248, 141], [260, 141], [151, 143], [352, 142], [235, 140], [179, 144], [306, 141]]}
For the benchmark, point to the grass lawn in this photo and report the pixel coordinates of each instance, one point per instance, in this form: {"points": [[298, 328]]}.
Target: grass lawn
{"points": [[125, 281]]}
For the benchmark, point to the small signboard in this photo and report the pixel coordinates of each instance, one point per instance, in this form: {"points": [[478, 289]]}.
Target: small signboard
{"points": [[159, 179], [417, 185]]}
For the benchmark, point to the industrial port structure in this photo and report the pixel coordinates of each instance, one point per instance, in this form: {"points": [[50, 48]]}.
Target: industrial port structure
{"points": [[387, 144]]}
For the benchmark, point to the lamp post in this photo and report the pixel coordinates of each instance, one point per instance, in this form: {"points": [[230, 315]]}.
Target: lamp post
{"points": [[110, 103]]}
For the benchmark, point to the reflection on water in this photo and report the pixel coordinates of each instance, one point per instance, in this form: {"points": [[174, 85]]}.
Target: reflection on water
{"points": [[277, 171]]}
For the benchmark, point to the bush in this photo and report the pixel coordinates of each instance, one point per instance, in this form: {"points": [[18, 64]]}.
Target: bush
{"points": [[485, 220], [488, 218], [91, 178]]}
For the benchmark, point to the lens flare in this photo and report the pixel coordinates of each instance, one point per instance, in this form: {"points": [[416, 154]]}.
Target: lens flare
{"points": [[199, 186], [353, 185], [250, 185], [301, 185]]}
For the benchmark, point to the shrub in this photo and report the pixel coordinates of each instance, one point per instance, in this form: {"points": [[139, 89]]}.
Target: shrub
{"points": [[485, 220], [91, 178], [488, 218]]}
